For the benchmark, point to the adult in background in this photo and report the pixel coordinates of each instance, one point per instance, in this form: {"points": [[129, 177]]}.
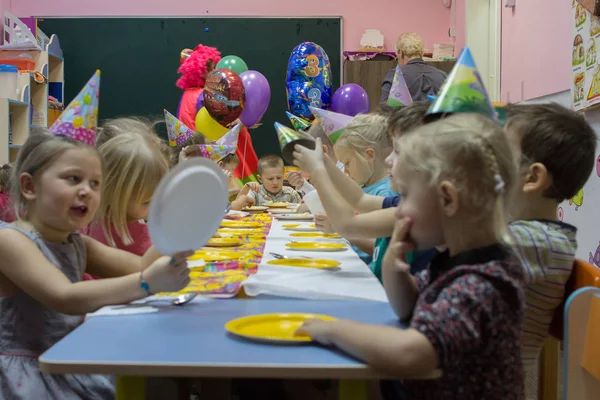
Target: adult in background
{"points": [[421, 79]]}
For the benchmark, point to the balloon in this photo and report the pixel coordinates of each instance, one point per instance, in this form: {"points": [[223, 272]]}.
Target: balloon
{"points": [[224, 95], [308, 81], [233, 63], [350, 99], [258, 96], [206, 125]]}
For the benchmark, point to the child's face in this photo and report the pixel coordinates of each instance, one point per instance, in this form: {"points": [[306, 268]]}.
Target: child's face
{"points": [[389, 162], [357, 167], [420, 203], [66, 196], [272, 179], [137, 210], [229, 167]]}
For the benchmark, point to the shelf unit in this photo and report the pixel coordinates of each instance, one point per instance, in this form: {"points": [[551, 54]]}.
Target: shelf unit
{"points": [[30, 105], [14, 128]]}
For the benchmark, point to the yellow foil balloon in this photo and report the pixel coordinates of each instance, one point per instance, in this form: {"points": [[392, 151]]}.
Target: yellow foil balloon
{"points": [[206, 125]]}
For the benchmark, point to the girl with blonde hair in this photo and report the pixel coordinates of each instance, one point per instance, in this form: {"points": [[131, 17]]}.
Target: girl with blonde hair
{"points": [[134, 167], [56, 191], [362, 149], [464, 312]]}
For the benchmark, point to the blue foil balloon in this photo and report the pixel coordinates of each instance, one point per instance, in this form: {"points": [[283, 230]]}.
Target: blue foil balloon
{"points": [[308, 82]]}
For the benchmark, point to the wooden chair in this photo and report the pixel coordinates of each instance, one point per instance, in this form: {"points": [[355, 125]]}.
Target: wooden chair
{"points": [[584, 275]]}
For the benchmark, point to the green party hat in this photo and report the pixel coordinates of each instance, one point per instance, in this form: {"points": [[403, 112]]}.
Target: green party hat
{"points": [[299, 124], [500, 113], [463, 91], [288, 138]]}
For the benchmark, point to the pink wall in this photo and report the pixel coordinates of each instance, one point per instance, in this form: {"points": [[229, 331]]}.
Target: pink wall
{"points": [[460, 25], [536, 49], [428, 17]]}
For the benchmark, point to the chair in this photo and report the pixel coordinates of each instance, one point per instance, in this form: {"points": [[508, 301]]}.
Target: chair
{"points": [[583, 275]]}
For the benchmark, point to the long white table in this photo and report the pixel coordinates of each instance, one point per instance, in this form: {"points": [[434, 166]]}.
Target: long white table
{"points": [[353, 280]]}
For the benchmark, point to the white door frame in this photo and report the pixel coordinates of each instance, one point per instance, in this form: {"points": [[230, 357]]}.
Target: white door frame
{"points": [[483, 35]]}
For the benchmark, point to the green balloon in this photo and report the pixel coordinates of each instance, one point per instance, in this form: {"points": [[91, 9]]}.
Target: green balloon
{"points": [[233, 63]]}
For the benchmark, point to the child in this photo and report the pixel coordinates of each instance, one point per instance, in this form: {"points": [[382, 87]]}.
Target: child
{"points": [[57, 191], [188, 149], [465, 311], [296, 179], [118, 126], [363, 148], [271, 189], [134, 167], [342, 197], [6, 213], [556, 154]]}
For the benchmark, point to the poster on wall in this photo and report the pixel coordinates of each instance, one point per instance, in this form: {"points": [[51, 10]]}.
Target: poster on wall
{"points": [[585, 87]]}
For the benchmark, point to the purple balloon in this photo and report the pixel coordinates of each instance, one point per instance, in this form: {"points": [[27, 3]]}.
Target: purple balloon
{"points": [[258, 96], [199, 102], [350, 99]]}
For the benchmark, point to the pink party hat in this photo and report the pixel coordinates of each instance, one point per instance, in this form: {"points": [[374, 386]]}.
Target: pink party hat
{"points": [[399, 94], [333, 124], [216, 152], [178, 133], [231, 137], [80, 119]]}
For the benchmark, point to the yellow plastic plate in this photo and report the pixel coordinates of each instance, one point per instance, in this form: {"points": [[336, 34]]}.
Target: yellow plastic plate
{"points": [[278, 205], [300, 227], [240, 224], [317, 263], [273, 328], [316, 235], [314, 246], [215, 255], [224, 242]]}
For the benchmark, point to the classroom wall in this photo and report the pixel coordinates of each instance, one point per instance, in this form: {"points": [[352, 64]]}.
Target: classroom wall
{"points": [[428, 17], [536, 49], [460, 24]]}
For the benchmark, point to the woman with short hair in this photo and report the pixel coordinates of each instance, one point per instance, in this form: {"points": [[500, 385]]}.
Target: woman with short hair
{"points": [[421, 79]]}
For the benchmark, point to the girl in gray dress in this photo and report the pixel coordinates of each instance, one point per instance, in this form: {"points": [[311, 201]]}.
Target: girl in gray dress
{"points": [[56, 192]]}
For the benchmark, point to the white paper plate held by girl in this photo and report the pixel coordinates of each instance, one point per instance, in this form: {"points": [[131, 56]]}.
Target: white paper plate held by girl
{"points": [[188, 206]]}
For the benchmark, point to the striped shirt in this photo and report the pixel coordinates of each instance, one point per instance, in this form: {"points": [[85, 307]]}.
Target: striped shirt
{"points": [[285, 195], [547, 252]]}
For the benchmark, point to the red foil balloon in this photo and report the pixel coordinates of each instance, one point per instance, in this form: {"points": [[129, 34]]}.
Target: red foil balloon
{"points": [[224, 95]]}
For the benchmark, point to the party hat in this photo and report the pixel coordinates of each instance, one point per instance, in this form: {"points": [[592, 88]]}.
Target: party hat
{"points": [[178, 133], [333, 124], [216, 151], [299, 124], [463, 91], [399, 94], [231, 137], [500, 109], [288, 138], [80, 119]]}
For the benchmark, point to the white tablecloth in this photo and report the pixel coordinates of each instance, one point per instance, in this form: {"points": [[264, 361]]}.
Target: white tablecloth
{"points": [[352, 280]]}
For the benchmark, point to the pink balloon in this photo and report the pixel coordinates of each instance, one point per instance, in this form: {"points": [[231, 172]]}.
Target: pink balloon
{"points": [[258, 97]]}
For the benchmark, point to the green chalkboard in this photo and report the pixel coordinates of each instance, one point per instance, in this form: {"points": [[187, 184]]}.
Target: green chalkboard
{"points": [[139, 58]]}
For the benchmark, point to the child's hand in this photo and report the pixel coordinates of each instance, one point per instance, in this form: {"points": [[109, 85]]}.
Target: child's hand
{"points": [[309, 160], [295, 179], [322, 223], [400, 245], [255, 187], [168, 274], [320, 331], [246, 200]]}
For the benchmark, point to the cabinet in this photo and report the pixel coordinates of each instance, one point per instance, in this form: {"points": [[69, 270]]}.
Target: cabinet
{"points": [[370, 74]]}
